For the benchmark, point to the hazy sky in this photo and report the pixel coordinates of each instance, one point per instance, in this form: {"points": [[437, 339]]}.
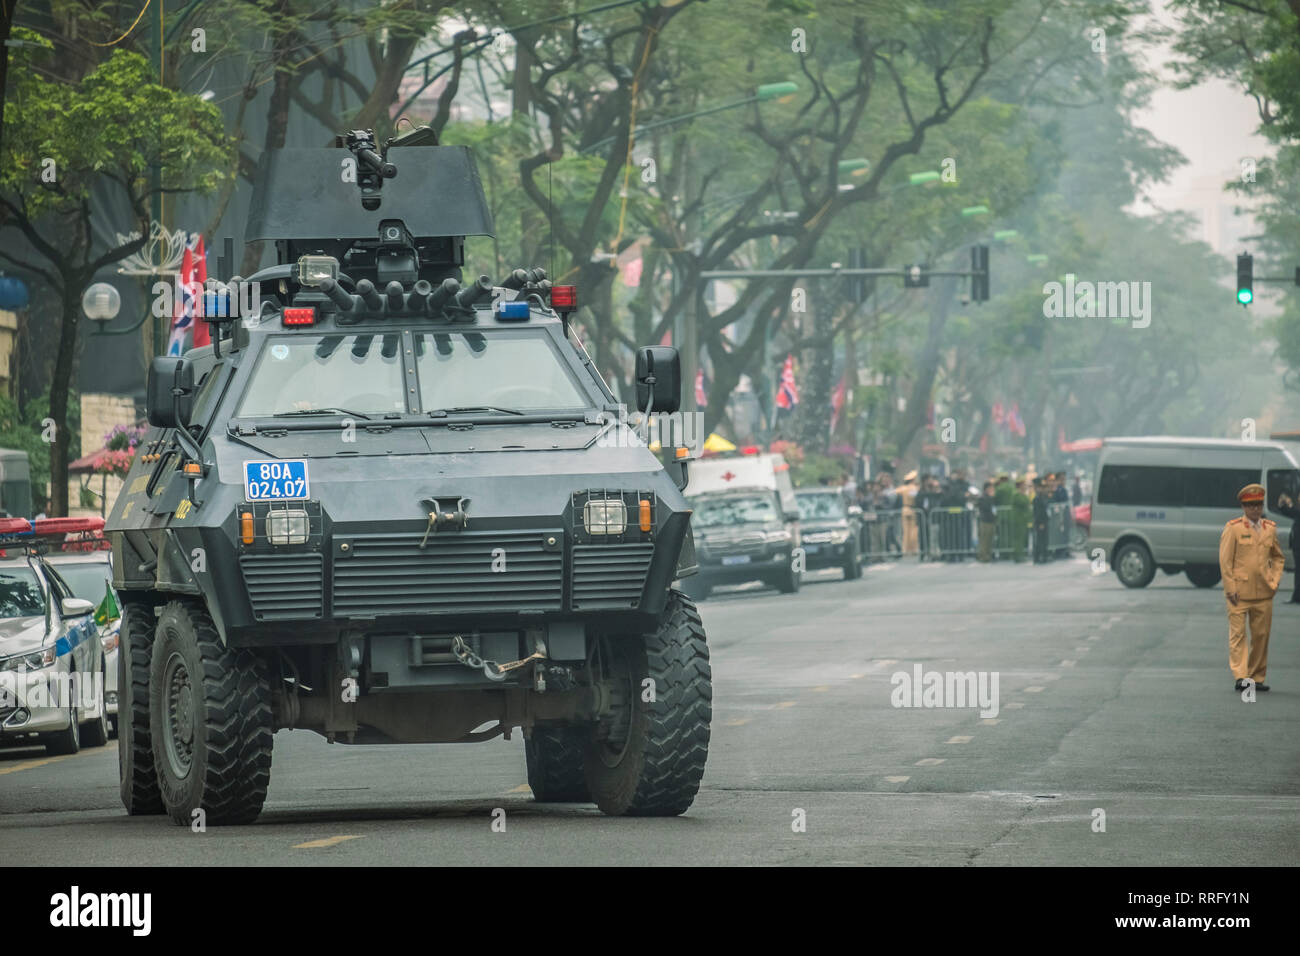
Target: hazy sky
{"points": [[1212, 125]]}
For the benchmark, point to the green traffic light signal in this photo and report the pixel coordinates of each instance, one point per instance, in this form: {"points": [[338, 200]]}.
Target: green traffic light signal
{"points": [[1245, 278], [1244, 296]]}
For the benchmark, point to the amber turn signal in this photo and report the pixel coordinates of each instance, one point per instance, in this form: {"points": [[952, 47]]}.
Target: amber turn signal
{"points": [[193, 469], [246, 527], [645, 515]]}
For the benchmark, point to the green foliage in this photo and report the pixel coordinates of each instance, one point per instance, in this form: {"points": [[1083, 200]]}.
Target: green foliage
{"points": [[118, 122], [23, 430]]}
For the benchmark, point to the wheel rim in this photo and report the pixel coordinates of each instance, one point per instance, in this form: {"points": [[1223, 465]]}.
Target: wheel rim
{"points": [[179, 716], [1132, 566]]}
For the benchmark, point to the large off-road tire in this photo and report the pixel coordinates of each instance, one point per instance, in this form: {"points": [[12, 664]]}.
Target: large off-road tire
{"points": [[648, 757], [210, 710], [1204, 575], [555, 771], [138, 782], [94, 733]]}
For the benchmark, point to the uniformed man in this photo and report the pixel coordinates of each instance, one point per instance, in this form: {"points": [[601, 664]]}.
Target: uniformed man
{"points": [[1251, 563], [1020, 510]]}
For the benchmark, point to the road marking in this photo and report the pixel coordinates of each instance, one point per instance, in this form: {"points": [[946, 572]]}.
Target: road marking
{"points": [[1048, 677], [886, 662], [991, 721], [737, 721], [961, 739], [897, 779], [783, 705], [1116, 617], [328, 841], [41, 762], [822, 689], [522, 788], [929, 762], [856, 676], [1094, 637], [1082, 650], [1015, 704], [1105, 626], [1034, 690], [1067, 663]]}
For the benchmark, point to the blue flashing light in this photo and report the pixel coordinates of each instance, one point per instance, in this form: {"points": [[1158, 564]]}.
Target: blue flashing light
{"points": [[513, 312]]}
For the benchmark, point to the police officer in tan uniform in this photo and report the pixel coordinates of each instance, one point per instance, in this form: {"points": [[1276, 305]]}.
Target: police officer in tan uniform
{"points": [[1251, 562]]}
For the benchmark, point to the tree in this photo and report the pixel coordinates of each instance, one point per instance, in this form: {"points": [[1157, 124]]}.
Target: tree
{"points": [[117, 126]]}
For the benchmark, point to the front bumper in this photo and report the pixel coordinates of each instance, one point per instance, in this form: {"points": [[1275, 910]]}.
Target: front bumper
{"points": [[32, 703], [739, 568], [822, 554]]}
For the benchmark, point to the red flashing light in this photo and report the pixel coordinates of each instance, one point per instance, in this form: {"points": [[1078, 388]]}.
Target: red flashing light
{"points": [[15, 526], [300, 315], [751, 450], [61, 526], [564, 298]]}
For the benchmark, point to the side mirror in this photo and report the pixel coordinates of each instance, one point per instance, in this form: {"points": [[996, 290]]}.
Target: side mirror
{"points": [[658, 379], [166, 410], [75, 607]]}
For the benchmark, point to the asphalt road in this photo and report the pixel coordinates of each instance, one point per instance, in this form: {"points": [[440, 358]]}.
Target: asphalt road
{"points": [[1109, 700]]}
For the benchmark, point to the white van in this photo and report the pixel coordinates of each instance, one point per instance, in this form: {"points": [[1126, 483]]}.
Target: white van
{"points": [[1162, 502], [745, 522]]}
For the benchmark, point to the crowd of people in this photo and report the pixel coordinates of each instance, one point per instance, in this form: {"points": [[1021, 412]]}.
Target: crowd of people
{"points": [[952, 519]]}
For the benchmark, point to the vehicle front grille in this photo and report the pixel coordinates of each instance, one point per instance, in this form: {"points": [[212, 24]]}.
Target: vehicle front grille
{"points": [[735, 543], [283, 587], [485, 571], [610, 575]]}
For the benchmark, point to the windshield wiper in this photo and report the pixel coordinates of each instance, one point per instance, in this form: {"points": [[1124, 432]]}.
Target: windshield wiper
{"points": [[476, 408], [321, 411]]}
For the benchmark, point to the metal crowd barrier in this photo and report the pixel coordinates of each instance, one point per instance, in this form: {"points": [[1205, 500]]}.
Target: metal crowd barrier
{"points": [[954, 533]]}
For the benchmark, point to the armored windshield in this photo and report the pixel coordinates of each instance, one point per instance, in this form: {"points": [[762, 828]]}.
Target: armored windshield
{"points": [[359, 373], [518, 371]]}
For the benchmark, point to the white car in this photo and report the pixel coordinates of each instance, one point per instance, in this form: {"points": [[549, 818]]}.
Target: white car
{"points": [[52, 664], [90, 575]]}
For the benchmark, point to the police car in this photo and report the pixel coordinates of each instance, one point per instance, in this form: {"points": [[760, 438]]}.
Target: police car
{"points": [[85, 563], [52, 664]]}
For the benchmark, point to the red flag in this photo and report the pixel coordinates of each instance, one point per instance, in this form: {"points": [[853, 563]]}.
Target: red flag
{"points": [[701, 399], [787, 393], [199, 274], [999, 413], [837, 401], [183, 308]]}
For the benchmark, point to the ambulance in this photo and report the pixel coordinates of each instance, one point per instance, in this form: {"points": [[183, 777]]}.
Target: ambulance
{"points": [[745, 523]]}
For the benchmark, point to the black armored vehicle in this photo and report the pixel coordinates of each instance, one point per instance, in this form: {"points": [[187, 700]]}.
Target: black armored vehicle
{"points": [[392, 508]]}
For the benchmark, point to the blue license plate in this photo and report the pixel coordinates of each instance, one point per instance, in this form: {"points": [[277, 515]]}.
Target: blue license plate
{"points": [[736, 559], [275, 480], [811, 548]]}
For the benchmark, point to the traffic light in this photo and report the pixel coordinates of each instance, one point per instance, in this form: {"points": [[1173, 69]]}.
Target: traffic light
{"points": [[979, 282], [915, 277], [1245, 279]]}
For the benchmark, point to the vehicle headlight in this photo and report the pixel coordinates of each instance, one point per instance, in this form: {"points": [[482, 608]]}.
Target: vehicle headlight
{"points": [[28, 662], [817, 537], [604, 516], [839, 537], [289, 526], [774, 536]]}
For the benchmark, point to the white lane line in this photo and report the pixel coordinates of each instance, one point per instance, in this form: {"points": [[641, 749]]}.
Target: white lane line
{"points": [[991, 721], [897, 779], [1015, 704], [328, 841], [1067, 663], [1036, 689], [961, 739], [929, 762]]}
